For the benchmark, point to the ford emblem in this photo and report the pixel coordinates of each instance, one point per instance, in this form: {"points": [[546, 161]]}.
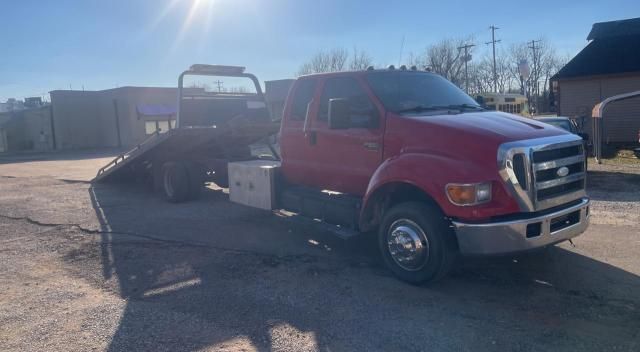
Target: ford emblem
{"points": [[563, 171]]}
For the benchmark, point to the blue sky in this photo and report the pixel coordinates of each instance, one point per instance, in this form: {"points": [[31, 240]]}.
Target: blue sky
{"points": [[55, 44]]}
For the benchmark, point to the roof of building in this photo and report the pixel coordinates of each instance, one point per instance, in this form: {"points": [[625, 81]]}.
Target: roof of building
{"points": [[77, 91], [604, 56], [619, 28]]}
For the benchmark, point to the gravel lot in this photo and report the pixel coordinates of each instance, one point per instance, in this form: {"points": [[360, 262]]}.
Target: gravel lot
{"points": [[112, 267]]}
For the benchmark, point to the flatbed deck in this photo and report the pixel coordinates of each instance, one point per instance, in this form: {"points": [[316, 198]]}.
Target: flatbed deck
{"points": [[191, 143]]}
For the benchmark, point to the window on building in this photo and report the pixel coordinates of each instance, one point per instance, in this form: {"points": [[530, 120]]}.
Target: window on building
{"points": [[150, 127], [161, 126]]}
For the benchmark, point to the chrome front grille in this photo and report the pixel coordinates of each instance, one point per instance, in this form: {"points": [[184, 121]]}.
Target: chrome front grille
{"points": [[558, 172], [545, 172]]}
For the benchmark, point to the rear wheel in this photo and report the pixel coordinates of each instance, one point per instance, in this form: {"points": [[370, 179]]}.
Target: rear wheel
{"points": [[175, 182], [416, 242]]}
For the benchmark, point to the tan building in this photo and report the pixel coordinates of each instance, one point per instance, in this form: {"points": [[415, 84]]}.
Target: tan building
{"points": [[607, 66], [120, 117], [113, 118], [28, 129]]}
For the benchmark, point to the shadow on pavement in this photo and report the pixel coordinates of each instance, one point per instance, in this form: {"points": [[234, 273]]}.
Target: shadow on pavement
{"points": [[186, 294]]}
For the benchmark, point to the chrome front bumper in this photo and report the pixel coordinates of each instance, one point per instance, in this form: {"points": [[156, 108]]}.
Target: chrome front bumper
{"points": [[522, 234]]}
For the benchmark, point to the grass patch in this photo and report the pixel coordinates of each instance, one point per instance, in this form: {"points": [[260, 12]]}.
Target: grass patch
{"points": [[623, 156]]}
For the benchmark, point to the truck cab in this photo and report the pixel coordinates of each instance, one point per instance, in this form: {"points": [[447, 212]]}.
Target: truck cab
{"points": [[408, 156]]}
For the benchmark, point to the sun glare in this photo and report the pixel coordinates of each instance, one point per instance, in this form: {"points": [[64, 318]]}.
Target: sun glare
{"points": [[197, 9]]}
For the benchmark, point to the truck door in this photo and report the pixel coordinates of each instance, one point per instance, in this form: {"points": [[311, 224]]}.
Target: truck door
{"points": [[346, 159], [297, 166]]}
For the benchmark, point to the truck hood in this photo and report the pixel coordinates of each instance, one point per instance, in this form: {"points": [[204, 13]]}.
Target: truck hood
{"points": [[473, 137], [494, 126]]}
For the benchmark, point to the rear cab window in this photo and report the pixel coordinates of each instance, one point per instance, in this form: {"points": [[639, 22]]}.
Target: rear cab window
{"points": [[302, 96]]}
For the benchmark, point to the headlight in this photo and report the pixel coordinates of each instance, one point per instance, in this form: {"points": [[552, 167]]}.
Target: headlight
{"points": [[468, 193]]}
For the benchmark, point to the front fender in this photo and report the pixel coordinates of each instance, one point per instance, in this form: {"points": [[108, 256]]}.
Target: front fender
{"points": [[431, 173]]}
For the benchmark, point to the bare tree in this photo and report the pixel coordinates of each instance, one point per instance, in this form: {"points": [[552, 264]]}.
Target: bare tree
{"points": [[360, 60], [419, 61], [544, 62], [518, 53], [481, 75], [505, 81], [206, 87], [445, 59], [338, 59], [331, 61]]}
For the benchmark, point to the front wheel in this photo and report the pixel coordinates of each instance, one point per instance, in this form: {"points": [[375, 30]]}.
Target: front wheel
{"points": [[416, 242]]}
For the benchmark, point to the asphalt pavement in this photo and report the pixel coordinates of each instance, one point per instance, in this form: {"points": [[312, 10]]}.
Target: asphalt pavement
{"points": [[114, 267]]}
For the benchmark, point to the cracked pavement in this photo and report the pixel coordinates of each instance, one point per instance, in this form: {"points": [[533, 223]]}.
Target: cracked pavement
{"points": [[113, 267]]}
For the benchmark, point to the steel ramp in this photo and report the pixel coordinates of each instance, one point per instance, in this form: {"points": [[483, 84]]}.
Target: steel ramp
{"points": [[188, 143], [122, 160]]}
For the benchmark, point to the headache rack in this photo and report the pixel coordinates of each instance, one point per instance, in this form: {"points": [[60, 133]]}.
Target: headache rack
{"points": [[211, 129]]}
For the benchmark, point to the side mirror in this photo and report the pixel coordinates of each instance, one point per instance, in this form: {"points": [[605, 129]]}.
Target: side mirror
{"points": [[339, 113]]}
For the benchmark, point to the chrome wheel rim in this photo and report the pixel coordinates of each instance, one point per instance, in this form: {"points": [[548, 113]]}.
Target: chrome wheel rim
{"points": [[408, 245]]}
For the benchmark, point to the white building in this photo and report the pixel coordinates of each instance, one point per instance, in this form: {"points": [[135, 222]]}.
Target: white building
{"points": [[11, 104]]}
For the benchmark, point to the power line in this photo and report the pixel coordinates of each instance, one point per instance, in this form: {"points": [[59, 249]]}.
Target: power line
{"points": [[466, 60], [493, 43]]}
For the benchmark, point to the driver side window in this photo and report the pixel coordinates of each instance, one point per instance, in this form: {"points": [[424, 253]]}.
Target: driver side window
{"points": [[363, 112]]}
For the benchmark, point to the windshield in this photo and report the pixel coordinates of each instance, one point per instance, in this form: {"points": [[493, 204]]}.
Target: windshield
{"points": [[564, 124], [414, 91]]}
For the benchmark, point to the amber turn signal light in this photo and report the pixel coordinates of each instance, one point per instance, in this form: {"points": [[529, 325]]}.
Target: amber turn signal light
{"points": [[468, 194]]}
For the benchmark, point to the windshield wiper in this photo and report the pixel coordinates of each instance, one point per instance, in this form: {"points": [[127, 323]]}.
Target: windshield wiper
{"points": [[420, 108], [465, 106]]}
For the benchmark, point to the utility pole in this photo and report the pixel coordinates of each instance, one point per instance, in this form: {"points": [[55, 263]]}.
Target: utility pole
{"points": [[466, 60], [493, 43], [219, 83], [401, 50], [535, 69]]}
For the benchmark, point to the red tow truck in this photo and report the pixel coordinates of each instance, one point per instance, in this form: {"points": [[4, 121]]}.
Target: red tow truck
{"points": [[400, 154]]}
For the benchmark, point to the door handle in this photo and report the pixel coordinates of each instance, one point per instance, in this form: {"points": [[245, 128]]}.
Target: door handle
{"points": [[371, 145]]}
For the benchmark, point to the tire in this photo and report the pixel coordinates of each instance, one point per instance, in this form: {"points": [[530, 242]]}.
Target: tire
{"points": [[430, 250], [175, 182]]}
